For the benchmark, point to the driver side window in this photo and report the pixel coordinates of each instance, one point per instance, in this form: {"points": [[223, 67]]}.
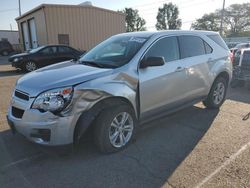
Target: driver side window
{"points": [[166, 47], [48, 51]]}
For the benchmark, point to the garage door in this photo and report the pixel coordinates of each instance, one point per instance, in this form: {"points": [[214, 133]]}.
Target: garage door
{"points": [[25, 32], [33, 33]]}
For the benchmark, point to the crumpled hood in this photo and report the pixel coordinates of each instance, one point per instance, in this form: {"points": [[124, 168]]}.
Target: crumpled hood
{"points": [[59, 75]]}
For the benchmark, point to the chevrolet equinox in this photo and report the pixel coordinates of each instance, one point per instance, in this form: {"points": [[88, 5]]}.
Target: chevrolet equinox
{"points": [[123, 82]]}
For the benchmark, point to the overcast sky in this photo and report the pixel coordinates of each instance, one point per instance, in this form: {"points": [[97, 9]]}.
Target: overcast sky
{"points": [[189, 9]]}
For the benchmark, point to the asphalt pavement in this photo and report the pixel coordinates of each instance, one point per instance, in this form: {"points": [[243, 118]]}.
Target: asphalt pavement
{"points": [[195, 147]]}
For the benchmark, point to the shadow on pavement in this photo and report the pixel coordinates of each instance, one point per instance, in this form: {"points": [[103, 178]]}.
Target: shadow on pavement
{"points": [[240, 94], [148, 162], [10, 73]]}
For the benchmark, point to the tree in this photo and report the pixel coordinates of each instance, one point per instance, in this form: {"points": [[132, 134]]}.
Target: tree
{"points": [[167, 17], [133, 21], [237, 18], [209, 22]]}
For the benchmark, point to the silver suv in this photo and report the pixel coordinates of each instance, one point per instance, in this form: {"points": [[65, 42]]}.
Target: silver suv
{"points": [[123, 82]]}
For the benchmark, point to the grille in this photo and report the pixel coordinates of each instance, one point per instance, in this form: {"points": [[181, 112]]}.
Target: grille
{"points": [[17, 113], [21, 95]]}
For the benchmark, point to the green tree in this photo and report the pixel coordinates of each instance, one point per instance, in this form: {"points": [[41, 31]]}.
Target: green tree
{"points": [[133, 21], [237, 18], [167, 17], [209, 22]]}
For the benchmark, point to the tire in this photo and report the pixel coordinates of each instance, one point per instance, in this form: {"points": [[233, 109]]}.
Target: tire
{"points": [[109, 135], [217, 94], [5, 53], [30, 66]]}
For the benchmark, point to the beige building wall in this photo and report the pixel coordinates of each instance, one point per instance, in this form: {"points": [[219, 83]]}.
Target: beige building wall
{"points": [[85, 25], [40, 23]]}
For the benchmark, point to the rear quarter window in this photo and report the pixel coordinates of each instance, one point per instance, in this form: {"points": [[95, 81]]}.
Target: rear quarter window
{"points": [[217, 39]]}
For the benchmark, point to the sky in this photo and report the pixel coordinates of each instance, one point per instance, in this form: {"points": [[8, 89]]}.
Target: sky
{"points": [[189, 9]]}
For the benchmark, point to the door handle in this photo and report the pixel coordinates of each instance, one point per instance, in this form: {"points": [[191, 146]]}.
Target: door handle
{"points": [[179, 69]]}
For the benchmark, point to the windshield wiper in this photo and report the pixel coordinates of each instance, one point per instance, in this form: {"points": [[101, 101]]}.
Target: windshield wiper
{"points": [[92, 63]]}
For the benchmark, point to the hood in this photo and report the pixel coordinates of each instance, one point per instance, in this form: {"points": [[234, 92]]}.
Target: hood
{"points": [[19, 55], [59, 75]]}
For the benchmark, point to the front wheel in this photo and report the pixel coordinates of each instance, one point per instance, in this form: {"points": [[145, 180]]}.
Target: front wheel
{"points": [[217, 94], [115, 128], [30, 66]]}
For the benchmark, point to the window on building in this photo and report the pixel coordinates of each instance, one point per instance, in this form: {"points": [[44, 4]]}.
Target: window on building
{"points": [[63, 39]]}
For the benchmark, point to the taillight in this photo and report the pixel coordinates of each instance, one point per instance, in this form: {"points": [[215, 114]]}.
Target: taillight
{"points": [[231, 57]]}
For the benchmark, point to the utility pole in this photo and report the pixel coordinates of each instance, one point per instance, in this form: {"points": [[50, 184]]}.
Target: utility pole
{"points": [[19, 3], [222, 18]]}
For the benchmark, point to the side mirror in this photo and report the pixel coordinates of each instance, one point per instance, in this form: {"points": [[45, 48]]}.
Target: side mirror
{"points": [[152, 61]]}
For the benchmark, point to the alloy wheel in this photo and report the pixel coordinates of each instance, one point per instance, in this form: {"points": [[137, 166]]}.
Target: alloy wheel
{"points": [[219, 93], [30, 66], [121, 129]]}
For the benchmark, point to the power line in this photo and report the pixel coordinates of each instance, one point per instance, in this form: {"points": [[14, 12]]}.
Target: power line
{"points": [[180, 7]]}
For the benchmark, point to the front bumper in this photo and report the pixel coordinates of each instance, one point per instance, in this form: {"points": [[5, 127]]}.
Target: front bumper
{"points": [[40, 127], [16, 64]]}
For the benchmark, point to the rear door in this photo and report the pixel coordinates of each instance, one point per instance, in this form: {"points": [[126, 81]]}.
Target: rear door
{"points": [[162, 87], [65, 53], [196, 55], [245, 63]]}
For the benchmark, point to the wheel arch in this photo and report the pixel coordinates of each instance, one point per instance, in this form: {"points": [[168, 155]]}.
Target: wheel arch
{"points": [[223, 74], [88, 117]]}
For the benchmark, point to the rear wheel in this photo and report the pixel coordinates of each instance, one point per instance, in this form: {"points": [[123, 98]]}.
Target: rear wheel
{"points": [[30, 66], [115, 128], [217, 94]]}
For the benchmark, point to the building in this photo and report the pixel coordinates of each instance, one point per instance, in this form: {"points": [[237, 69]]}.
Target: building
{"points": [[9, 35], [80, 26]]}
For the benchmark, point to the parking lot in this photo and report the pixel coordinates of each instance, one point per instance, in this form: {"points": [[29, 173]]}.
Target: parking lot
{"points": [[195, 147]]}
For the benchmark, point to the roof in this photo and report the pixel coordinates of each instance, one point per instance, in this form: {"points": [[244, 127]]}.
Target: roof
{"points": [[9, 31], [61, 5], [168, 32]]}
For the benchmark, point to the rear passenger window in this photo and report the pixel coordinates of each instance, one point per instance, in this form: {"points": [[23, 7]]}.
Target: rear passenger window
{"points": [[208, 48], [191, 46], [165, 47]]}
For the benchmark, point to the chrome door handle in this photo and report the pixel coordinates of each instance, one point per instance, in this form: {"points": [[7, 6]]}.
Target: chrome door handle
{"points": [[179, 69]]}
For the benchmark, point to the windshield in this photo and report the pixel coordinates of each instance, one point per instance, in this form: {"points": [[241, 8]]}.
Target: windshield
{"points": [[114, 52], [36, 49]]}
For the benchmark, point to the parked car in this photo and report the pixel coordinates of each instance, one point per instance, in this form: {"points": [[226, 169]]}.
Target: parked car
{"points": [[5, 48], [232, 44], [114, 88], [241, 70], [43, 56], [237, 48]]}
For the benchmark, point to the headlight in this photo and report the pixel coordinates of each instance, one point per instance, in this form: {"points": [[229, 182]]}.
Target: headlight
{"points": [[54, 100], [17, 59]]}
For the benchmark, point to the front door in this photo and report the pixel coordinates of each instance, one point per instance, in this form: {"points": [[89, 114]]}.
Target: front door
{"points": [[48, 56], [162, 87]]}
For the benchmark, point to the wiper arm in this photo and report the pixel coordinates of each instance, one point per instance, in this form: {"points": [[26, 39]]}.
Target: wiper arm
{"points": [[92, 63]]}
